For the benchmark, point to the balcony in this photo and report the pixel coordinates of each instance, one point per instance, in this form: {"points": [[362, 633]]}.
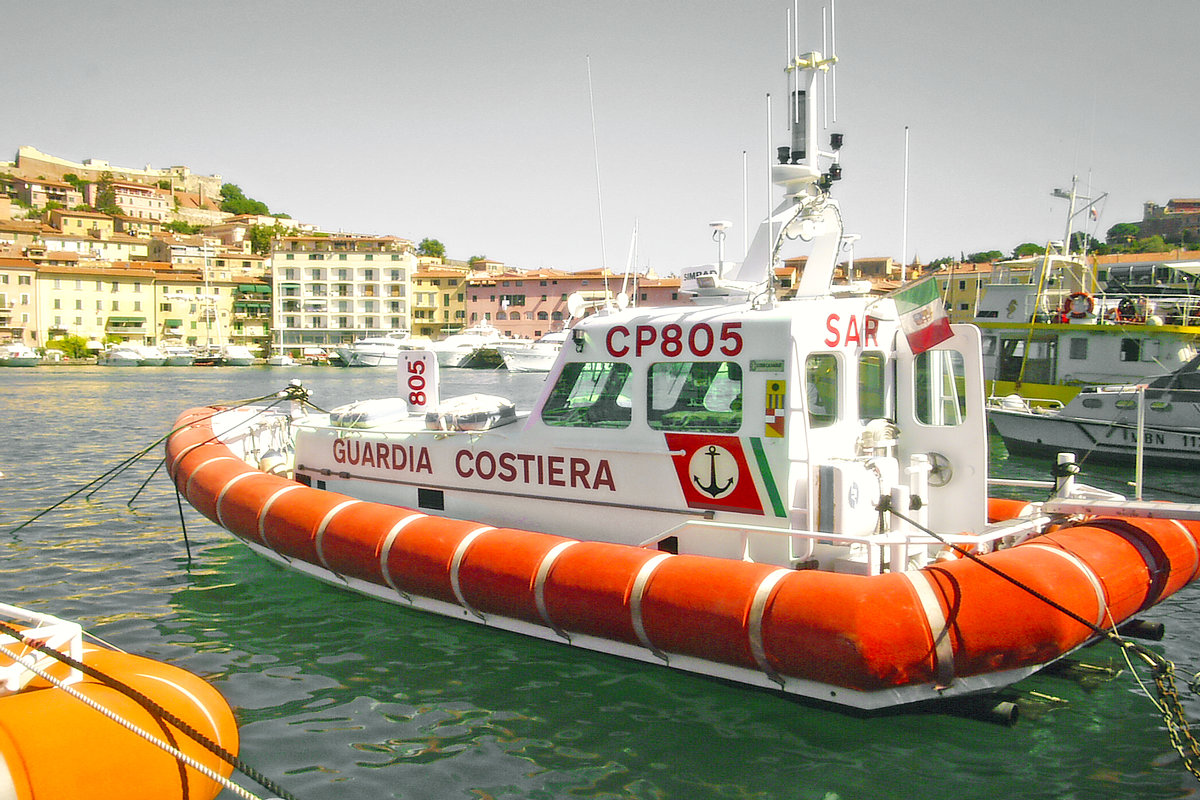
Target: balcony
{"points": [[127, 326]]}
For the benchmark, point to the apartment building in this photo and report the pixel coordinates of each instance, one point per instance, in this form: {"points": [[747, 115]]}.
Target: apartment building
{"points": [[38, 192], [82, 223], [330, 290], [114, 300], [531, 304], [18, 304], [135, 200], [961, 286], [182, 250], [439, 301], [214, 309]]}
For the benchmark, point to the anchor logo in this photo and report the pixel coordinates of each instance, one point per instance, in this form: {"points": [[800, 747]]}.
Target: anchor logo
{"points": [[721, 463]]}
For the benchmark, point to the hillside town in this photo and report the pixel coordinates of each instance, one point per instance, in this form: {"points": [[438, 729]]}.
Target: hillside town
{"points": [[93, 254]]}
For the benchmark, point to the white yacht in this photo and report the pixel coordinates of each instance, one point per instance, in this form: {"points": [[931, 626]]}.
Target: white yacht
{"points": [[129, 354], [378, 351], [178, 355], [459, 349], [18, 354], [535, 356]]}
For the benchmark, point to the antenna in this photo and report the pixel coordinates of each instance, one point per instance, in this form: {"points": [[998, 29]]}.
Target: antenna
{"points": [[824, 75], [630, 261], [904, 221], [596, 158], [833, 56], [745, 212]]}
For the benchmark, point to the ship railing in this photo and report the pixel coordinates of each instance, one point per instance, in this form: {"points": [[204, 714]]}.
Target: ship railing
{"points": [[64, 636], [895, 547]]}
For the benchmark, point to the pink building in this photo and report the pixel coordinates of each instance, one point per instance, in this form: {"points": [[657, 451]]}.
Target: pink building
{"points": [[530, 304], [136, 200]]}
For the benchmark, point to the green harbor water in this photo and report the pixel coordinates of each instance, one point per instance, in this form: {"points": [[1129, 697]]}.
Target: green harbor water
{"points": [[343, 697]]}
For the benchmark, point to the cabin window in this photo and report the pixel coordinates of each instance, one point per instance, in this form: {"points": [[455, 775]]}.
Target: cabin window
{"points": [[1078, 349], [1039, 365], [872, 399], [698, 396], [1131, 350], [989, 346], [590, 395], [821, 381], [940, 378]]}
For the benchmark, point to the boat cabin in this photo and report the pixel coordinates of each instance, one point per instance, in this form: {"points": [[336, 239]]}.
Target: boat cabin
{"points": [[773, 432]]}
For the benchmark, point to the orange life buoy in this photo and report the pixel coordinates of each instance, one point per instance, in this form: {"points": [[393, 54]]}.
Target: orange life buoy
{"points": [[1078, 305]]}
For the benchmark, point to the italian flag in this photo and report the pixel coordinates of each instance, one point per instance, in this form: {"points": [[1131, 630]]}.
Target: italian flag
{"points": [[922, 314]]}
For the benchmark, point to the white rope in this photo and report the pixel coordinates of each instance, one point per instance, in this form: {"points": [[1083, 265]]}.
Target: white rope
{"points": [[31, 665]]}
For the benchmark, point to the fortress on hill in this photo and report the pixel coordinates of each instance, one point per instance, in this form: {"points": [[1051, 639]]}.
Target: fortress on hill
{"points": [[33, 163]]}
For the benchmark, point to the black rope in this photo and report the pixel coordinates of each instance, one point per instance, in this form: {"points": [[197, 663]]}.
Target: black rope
{"points": [[126, 463], [155, 710], [187, 544]]}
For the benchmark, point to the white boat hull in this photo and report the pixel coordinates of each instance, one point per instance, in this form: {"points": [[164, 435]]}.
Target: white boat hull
{"points": [[1050, 433]]}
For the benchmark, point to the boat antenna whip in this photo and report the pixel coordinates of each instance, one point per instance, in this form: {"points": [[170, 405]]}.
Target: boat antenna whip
{"points": [[1161, 669]]}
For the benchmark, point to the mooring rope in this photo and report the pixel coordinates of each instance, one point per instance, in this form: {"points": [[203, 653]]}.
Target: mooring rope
{"points": [[129, 461], [1162, 670], [151, 706]]}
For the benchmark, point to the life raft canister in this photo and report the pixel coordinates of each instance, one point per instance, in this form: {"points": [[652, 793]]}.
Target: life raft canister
{"points": [[1131, 310], [1078, 305]]}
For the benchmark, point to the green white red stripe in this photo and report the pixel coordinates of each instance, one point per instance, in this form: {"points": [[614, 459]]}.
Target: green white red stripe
{"points": [[922, 314]]}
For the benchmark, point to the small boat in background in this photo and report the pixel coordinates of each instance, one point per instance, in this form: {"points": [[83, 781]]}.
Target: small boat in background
{"points": [[129, 354], [52, 745], [177, 355], [378, 351], [18, 354], [535, 356], [463, 348], [1107, 422]]}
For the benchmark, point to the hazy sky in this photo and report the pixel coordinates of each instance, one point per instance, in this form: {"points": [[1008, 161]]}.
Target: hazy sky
{"points": [[469, 122]]}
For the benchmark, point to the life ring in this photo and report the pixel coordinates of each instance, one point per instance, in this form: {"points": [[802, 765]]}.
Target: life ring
{"points": [[1078, 305]]}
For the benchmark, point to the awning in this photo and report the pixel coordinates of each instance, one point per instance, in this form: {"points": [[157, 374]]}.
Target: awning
{"points": [[173, 323], [254, 288], [131, 320]]}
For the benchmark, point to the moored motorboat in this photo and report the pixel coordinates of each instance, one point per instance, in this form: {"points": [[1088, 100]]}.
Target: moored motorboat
{"points": [[75, 716], [378, 351], [227, 355], [791, 494], [1108, 423], [17, 354], [535, 356], [1050, 327], [130, 354], [463, 348], [177, 355]]}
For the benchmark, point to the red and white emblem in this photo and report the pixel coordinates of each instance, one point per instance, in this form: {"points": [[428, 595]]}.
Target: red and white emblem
{"points": [[713, 472]]}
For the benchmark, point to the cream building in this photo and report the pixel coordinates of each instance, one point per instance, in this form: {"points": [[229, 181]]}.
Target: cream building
{"points": [[113, 301], [213, 311], [438, 301], [330, 290], [18, 301]]}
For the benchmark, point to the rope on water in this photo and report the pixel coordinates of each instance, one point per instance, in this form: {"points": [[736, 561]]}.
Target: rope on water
{"points": [[121, 466]]}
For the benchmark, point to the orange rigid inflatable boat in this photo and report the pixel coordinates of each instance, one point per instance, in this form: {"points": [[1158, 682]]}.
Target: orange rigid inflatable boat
{"points": [[952, 627], [53, 744], [782, 483]]}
